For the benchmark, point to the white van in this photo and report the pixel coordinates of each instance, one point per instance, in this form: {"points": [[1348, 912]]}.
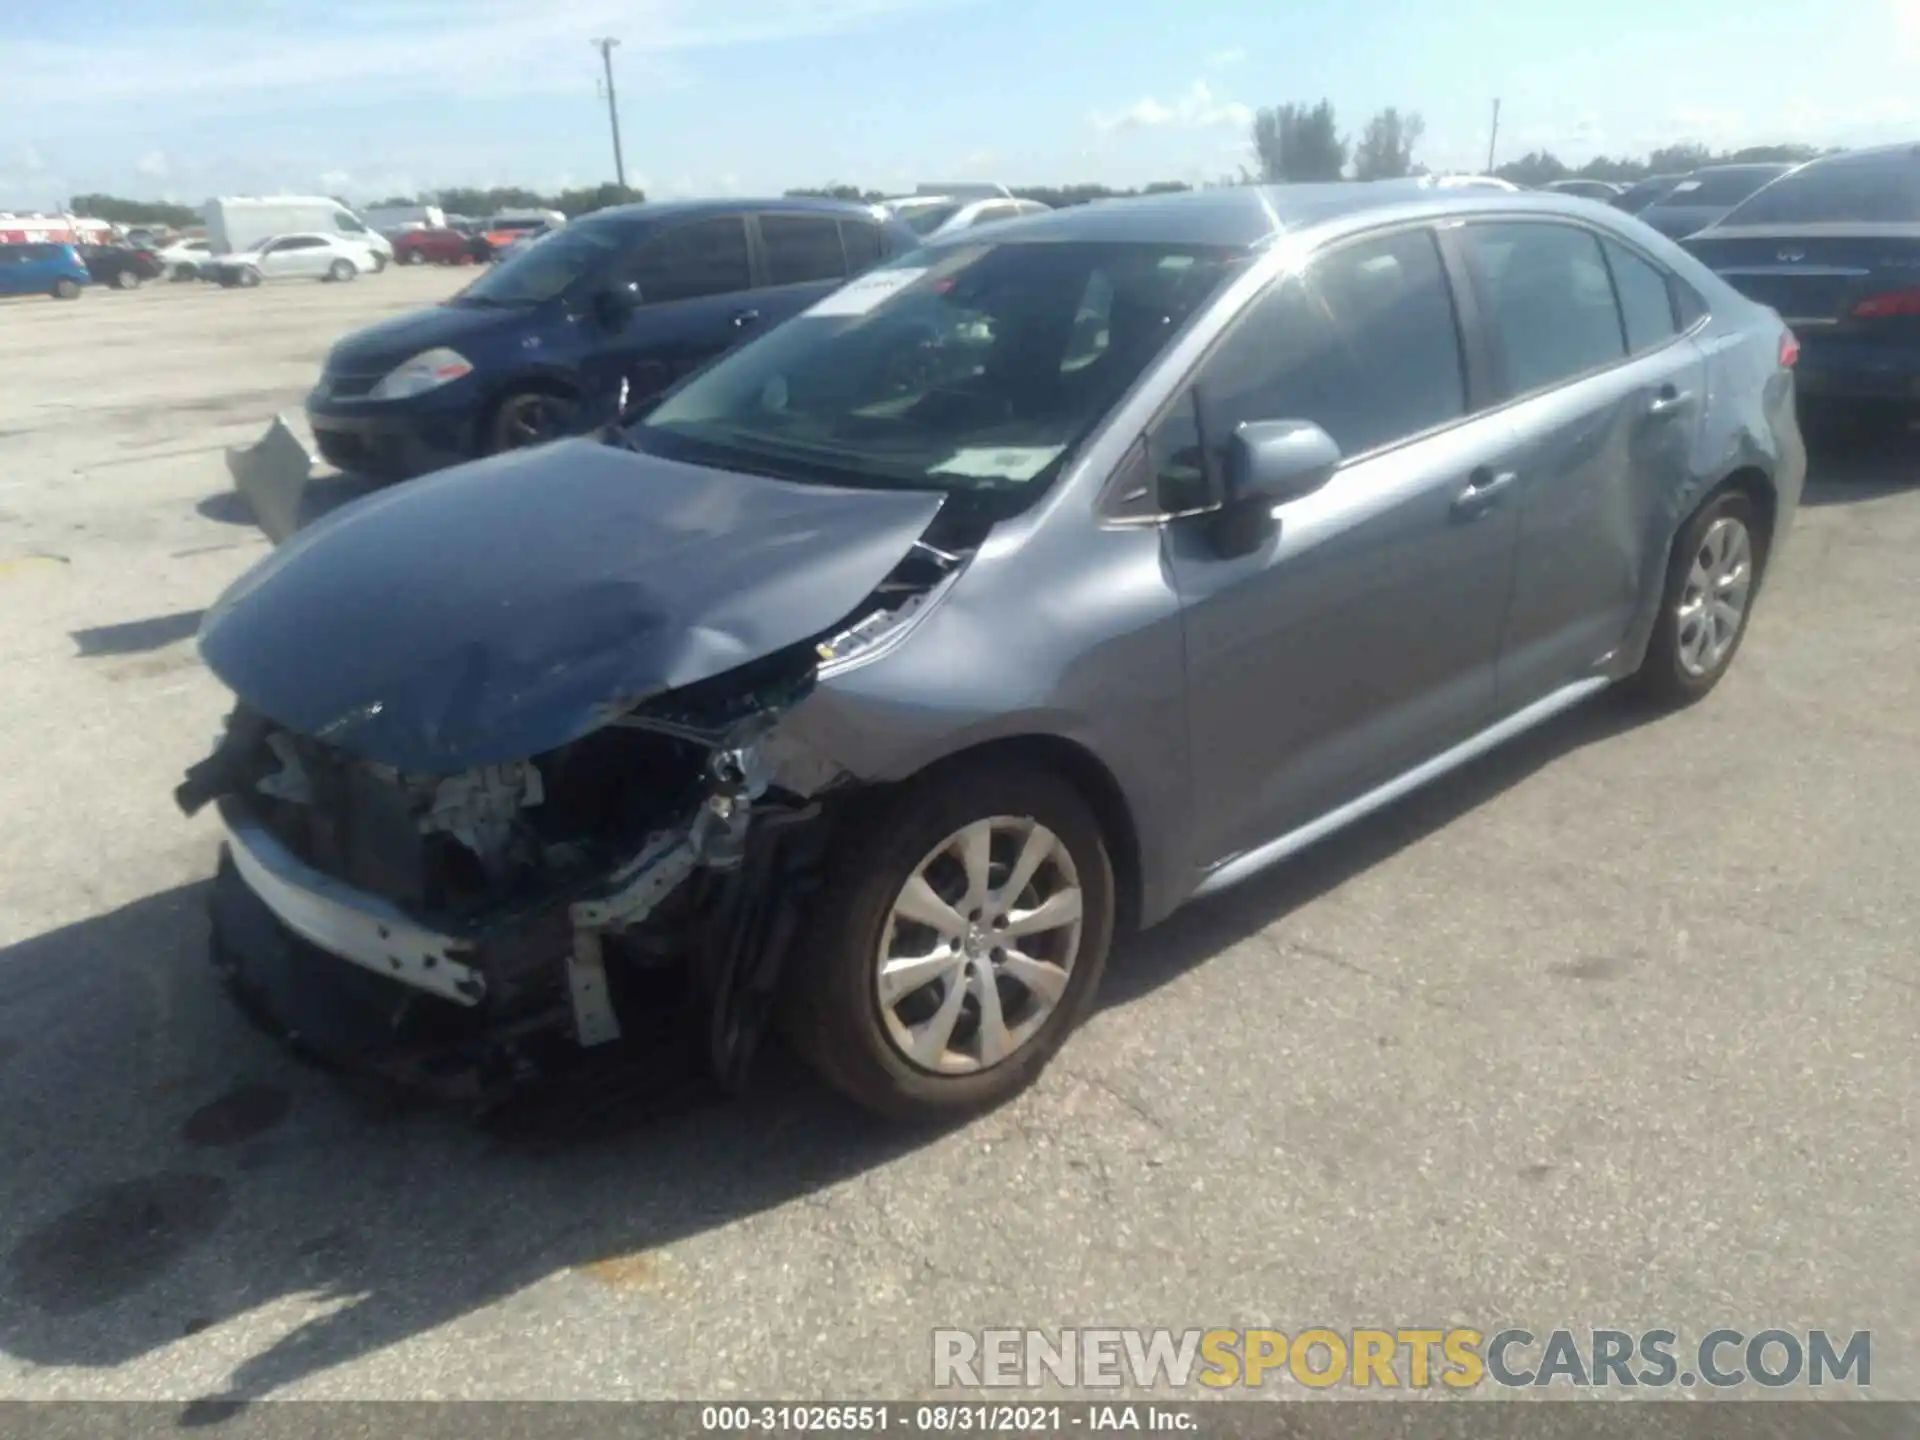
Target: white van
{"points": [[398, 219], [240, 222]]}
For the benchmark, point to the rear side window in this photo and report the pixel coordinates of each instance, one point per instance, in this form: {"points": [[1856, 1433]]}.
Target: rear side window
{"points": [[1646, 305], [802, 248], [1364, 344], [1864, 189], [1719, 187], [39, 252], [990, 214], [1547, 295], [862, 244], [1689, 307], [690, 262]]}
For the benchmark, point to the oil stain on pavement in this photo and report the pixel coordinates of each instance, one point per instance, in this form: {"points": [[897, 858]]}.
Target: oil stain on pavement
{"points": [[243, 1113], [116, 1239]]}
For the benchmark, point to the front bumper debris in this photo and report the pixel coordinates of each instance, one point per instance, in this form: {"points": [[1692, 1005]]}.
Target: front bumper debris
{"points": [[275, 478]]}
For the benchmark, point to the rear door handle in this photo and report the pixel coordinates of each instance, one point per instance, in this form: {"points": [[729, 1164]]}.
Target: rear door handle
{"points": [[745, 318], [1483, 492], [1670, 401]]}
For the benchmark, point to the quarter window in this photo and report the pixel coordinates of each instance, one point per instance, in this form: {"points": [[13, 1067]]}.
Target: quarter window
{"points": [[689, 262], [1363, 343], [801, 248], [1548, 298], [1646, 305]]}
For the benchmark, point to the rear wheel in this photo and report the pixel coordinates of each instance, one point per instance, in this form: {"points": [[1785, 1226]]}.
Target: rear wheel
{"points": [[248, 277], [963, 937], [65, 289], [341, 271], [1711, 579], [185, 272], [126, 279], [530, 417], [416, 257]]}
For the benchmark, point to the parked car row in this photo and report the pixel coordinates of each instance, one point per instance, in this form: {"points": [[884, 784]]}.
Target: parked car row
{"points": [[916, 612]]}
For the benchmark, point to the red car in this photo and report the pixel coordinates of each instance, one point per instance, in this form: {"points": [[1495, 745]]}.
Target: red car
{"points": [[442, 247]]}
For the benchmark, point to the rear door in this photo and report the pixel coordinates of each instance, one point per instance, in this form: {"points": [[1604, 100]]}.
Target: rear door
{"points": [[1604, 394], [692, 284], [1834, 247], [802, 256]]}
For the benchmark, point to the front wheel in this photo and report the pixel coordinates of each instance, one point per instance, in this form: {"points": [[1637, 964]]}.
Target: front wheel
{"points": [[529, 417], [341, 271], [182, 273], [962, 939], [416, 257], [65, 289], [1711, 579]]}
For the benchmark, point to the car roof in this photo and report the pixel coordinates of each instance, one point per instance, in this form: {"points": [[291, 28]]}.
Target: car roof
{"points": [[1745, 167], [652, 212], [1252, 216]]}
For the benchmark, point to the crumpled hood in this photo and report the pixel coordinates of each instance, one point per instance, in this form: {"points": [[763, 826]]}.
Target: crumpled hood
{"points": [[497, 610]]}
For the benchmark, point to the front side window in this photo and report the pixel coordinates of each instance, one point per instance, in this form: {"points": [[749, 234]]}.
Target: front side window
{"points": [[345, 222], [1363, 343], [1547, 296], [692, 261], [802, 248], [1646, 303], [977, 369], [1864, 189], [862, 244], [539, 273]]}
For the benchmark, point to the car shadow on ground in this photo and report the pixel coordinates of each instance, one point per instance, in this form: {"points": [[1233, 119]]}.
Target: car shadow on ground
{"points": [[1848, 464], [137, 636], [185, 1170]]}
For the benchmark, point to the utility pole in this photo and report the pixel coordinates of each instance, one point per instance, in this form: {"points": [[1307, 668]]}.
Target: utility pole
{"points": [[605, 47], [1492, 140]]}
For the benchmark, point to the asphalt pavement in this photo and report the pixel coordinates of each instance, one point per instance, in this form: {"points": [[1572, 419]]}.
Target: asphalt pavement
{"points": [[1616, 1028]]}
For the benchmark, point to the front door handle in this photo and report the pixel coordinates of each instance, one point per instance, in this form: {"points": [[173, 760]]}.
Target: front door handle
{"points": [[1670, 401], [745, 318], [1483, 492]]}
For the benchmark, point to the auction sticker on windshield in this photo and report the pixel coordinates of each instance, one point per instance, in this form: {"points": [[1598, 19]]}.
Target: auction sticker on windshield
{"points": [[862, 295], [999, 462]]}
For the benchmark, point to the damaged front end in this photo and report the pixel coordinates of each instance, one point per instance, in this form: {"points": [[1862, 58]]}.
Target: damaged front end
{"points": [[633, 891]]}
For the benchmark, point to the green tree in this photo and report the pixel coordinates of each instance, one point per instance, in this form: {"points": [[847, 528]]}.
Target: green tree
{"points": [[572, 203], [837, 192], [1534, 169], [133, 212], [1385, 151], [1296, 143], [1679, 159]]}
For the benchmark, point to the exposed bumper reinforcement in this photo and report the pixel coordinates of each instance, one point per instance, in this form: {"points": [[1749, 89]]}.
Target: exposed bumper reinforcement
{"points": [[349, 923]]}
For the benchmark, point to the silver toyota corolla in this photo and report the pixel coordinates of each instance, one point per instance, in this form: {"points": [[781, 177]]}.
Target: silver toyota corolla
{"points": [[1019, 592]]}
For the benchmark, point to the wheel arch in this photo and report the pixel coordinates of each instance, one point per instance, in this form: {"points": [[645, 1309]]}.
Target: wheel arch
{"points": [[542, 380], [1095, 783]]}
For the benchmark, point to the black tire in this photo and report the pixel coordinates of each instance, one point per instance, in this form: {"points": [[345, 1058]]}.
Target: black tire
{"points": [[126, 279], [1663, 677], [832, 1010], [248, 278], [529, 417], [341, 271], [416, 257], [65, 289], [183, 273]]}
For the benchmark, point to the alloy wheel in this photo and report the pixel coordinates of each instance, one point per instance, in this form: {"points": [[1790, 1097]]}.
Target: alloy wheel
{"points": [[1713, 603], [978, 947]]}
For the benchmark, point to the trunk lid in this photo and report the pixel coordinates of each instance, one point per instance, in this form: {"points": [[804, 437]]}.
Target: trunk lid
{"points": [[498, 610], [1816, 275]]}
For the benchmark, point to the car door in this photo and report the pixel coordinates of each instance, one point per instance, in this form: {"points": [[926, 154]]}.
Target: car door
{"points": [[690, 283], [280, 259], [14, 270], [1362, 637], [1605, 397], [802, 258]]}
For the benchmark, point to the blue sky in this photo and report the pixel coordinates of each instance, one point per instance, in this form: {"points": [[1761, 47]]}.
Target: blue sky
{"points": [[192, 98]]}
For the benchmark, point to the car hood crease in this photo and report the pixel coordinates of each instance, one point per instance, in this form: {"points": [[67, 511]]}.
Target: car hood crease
{"points": [[498, 610]]}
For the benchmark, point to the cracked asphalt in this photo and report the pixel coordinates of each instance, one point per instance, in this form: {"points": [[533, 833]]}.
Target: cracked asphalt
{"points": [[1617, 1028]]}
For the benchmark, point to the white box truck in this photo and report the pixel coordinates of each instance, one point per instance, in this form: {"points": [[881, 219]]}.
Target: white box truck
{"points": [[239, 222]]}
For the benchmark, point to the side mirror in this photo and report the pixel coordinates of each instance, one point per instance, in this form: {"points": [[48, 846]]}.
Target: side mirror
{"points": [[1279, 460], [1268, 463], [614, 306]]}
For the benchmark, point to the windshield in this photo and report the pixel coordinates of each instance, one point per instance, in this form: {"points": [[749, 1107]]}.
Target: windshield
{"points": [[535, 274], [975, 368], [923, 220], [1865, 189]]}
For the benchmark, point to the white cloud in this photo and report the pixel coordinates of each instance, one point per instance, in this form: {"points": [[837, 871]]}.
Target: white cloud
{"points": [[1198, 109], [1224, 59], [1905, 15], [28, 159], [333, 181], [428, 47], [153, 165], [977, 160]]}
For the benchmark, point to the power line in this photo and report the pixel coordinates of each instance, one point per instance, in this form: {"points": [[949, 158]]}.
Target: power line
{"points": [[605, 47]]}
